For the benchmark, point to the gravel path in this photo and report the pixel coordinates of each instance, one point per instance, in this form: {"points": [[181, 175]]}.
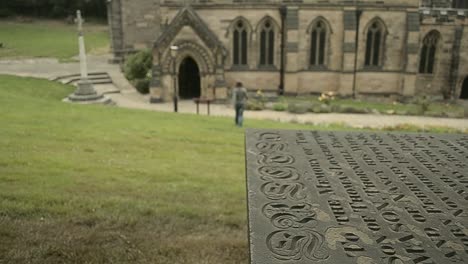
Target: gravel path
{"points": [[353, 120], [129, 98]]}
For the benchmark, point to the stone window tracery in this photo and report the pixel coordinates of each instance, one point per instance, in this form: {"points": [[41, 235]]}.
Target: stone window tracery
{"points": [[240, 44], [428, 52], [375, 44], [318, 44], [267, 44]]}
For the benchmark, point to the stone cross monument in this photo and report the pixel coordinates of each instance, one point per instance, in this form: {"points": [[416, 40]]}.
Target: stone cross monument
{"points": [[83, 65], [85, 91]]}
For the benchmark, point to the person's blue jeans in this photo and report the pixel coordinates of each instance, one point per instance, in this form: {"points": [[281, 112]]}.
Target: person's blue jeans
{"points": [[239, 114]]}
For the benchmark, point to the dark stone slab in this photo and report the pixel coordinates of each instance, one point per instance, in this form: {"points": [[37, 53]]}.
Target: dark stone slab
{"points": [[339, 197]]}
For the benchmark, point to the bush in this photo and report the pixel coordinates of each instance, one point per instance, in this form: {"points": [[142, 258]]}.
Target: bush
{"points": [[254, 105], [350, 109], [280, 107], [260, 97], [142, 85], [415, 112], [298, 108], [327, 97], [321, 108], [423, 103], [5, 12], [138, 65]]}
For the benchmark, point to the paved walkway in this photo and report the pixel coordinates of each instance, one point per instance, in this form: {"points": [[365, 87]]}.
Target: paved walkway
{"points": [[129, 98]]}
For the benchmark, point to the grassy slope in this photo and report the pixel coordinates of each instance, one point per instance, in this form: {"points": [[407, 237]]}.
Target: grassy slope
{"points": [[48, 39], [97, 184]]}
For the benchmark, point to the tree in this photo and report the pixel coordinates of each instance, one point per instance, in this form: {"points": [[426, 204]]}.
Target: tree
{"points": [[55, 8]]}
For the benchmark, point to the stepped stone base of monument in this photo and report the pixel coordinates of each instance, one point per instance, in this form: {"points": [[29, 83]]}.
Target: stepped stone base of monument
{"points": [[85, 93]]}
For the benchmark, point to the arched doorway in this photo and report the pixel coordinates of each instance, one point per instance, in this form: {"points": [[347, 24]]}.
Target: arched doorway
{"points": [[464, 90], [189, 79]]}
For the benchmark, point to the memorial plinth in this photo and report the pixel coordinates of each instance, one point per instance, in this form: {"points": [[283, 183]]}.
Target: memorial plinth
{"points": [[339, 197]]}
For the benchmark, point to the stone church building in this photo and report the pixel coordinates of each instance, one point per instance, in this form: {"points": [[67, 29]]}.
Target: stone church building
{"points": [[388, 48]]}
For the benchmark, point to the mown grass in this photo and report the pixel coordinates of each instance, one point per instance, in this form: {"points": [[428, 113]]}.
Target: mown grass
{"points": [[93, 184], [49, 39], [100, 184]]}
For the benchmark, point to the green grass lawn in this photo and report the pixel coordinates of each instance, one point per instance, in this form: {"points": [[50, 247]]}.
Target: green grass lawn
{"points": [[49, 39], [101, 184]]}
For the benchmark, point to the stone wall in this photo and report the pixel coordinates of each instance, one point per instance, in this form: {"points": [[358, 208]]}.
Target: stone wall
{"points": [[451, 63], [135, 24]]}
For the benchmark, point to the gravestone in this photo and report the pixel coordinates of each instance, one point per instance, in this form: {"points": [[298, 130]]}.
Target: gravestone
{"points": [[357, 197]]}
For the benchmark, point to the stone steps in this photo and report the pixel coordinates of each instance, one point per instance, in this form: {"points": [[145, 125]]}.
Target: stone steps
{"points": [[101, 80], [94, 77]]}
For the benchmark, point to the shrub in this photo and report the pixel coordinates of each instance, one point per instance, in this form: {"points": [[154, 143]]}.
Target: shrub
{"points": [[350, 109], [321, 108], [142, 85], [138, 65], [298, 108], [327, 97], [5, 12], [254, 105], [260, 97], [280, 107], [402, 112], [423, 102], [415, 111]]}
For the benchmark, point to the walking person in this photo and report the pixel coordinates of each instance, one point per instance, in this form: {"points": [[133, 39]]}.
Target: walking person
{"points": [[240, 99]]}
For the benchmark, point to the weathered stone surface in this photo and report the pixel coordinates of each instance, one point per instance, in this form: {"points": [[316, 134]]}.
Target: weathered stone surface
{"points": [[338, 197]]}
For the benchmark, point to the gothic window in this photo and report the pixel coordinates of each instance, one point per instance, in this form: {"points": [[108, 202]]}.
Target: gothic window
{"points": [[374, 44], [428, 52], [267, 44], [460, 4], [240, 44], [318, 43]]}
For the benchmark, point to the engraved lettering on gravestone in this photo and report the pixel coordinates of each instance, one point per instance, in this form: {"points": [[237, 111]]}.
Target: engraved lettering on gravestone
{"points": [[268, 136], [275, 159], [283, 191], [339, 197], [338, 211], [297, 245], [285, 216], [323, 183], [278, 173], [271, 146]]}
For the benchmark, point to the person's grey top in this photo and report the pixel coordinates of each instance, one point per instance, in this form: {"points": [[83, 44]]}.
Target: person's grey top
{"points": [[239, 95], [357, 197]]}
